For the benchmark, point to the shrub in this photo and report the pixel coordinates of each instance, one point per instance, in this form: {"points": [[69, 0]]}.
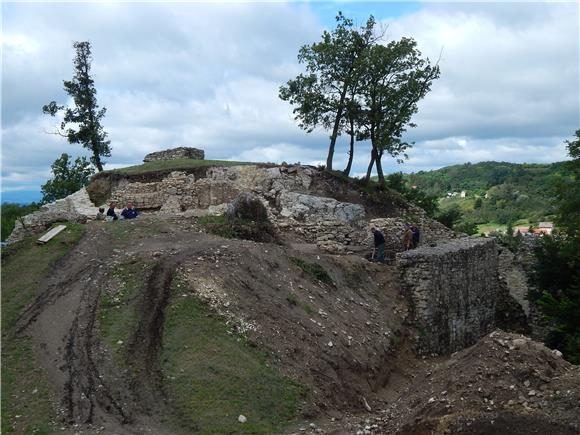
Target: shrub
{"points": [[314, 269]]}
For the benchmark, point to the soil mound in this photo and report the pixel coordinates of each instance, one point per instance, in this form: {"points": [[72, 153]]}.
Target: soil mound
{"points": [[506, 383]]}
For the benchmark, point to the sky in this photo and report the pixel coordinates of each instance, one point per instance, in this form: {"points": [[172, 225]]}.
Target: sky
{"points": [[207, 75]]}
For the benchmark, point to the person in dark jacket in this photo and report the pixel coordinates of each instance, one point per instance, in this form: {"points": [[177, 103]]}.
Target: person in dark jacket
{"points": [[129, 212], [416, 236], [379, 245], [111, 211]]}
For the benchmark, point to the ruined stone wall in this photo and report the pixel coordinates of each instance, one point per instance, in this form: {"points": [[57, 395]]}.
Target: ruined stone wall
{"points": [[75, 208], [452, 290], [175, 153]]}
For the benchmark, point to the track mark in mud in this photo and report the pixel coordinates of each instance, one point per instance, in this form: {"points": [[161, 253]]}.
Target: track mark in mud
{"points": [[146, 342]]}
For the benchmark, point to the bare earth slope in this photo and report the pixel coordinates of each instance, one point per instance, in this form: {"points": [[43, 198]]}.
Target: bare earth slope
{"points": [[336, 339]]}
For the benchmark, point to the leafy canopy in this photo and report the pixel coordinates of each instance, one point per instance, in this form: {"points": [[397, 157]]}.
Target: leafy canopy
{"points": [[558, 274], [68, 177], [81, 123]]}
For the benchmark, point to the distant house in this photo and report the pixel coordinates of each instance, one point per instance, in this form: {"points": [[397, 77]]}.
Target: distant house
{"points": [[463, 193], [544, 228], [521, 230]]}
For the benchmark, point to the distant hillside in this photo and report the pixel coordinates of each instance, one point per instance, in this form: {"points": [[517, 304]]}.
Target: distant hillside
{"points": [[478, 178], [496, 193]]}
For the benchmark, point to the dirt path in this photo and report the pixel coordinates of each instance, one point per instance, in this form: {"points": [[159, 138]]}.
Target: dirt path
{"points": [[63, 325], [96, 395]]}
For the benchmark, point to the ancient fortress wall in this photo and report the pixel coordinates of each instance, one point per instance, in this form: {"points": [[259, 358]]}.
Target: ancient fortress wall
{"points": [[452, 289]]}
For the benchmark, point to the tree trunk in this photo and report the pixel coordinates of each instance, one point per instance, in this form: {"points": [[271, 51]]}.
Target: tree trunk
{"points": [[380, 169], [97, 159], [335, 128], [370, 168], [350, 151]]}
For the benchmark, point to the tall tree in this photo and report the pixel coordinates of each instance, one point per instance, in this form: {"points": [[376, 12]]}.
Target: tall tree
{"points": [[558, 271], [68, 177], [332, 65], [84, 118], [396, 78]]}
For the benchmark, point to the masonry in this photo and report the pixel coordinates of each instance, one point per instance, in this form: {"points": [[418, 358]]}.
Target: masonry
{"points": [[452, 289], [175, 153]]}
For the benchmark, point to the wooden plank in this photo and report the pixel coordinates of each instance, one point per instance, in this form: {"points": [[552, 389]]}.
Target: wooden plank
{"points": [[49, 235]]}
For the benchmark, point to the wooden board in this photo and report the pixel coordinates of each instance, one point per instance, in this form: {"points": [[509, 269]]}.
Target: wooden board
{"points": [[50, 234]]}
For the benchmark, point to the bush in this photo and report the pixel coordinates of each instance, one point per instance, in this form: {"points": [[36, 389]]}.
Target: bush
{"points": [[314, 269], [247, 207], [11, 212]]}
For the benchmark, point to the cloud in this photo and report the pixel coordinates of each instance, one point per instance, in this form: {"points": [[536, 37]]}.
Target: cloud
{"points": [[207, 75]]}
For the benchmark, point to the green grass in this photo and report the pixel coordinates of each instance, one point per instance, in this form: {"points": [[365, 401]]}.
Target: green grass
{"points": [[490, 227], [26, 405], [465, 204], [177, 164], [213, 376], [117, 316], [293, 300], [313, 269]]}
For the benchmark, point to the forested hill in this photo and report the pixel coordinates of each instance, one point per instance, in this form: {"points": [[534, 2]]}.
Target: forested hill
{"points": [[478, 178]]}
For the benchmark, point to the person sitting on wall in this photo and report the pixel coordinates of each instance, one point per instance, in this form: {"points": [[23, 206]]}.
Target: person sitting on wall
{"points": [[111, 215], [101, 214], [379, 245], [129, 212]]}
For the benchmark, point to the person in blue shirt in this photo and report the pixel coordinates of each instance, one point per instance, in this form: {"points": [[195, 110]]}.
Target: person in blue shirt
{"points": [[129, 212]]}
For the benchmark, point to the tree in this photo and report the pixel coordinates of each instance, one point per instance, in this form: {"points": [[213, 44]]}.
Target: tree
{"points": [[430, 204], [395, 79], [67, 178], [450, 216], [84, 118], [333, 67], [558, 272]]}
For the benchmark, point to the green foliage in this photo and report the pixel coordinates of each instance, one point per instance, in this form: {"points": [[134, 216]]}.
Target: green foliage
{"points": [[356, 84], [558, 273], [10, 212], [450, 216], [314, 269], [396, 181], [324, 96], [67, 178], [213, 375], [85, 115], [467, 227], [234, 228], [25, 389], [394, 79]]}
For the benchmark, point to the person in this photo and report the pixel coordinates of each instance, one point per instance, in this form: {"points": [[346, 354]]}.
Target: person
{"points": [[129, 212], [416, 236], [101, 214], [111, 215], [407, 238], [379, 245]]}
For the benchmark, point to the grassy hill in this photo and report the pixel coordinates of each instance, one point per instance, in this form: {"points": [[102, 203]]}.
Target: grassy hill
{"points": [[496, 193]]}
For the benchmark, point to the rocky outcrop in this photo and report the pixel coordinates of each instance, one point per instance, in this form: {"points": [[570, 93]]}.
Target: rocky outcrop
{"points": [[75, 208], [452, 289], [304, 207], [174, 154]]}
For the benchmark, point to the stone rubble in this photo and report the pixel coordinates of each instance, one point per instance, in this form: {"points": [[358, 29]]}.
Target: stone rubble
{"points": [[175, 153]]}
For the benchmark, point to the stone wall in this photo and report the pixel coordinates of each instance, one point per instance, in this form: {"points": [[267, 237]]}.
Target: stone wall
{"points": [[175, 153], [75, 208], [452, 290]]}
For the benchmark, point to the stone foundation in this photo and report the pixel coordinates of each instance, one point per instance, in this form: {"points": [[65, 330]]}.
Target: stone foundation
{"points": [[452, 289], [175, 153]]}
